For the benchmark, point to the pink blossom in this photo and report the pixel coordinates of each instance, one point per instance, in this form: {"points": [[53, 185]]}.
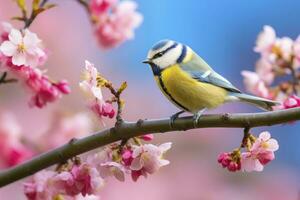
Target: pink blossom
{"points": [[16, 154], [23, 47], [264, 70], [99, 7], [296, 53], [148, 158], [255, 85], [113, 169], [127, 156], [102, 109], [40, 188], [118, 26], [265, 40], [290, 102], [13, 151], [285, 46], [44, 91], [147, 137], [104, 163], [63, 87], [261, 153], [226, 160], [83, 179], [89, 84]]}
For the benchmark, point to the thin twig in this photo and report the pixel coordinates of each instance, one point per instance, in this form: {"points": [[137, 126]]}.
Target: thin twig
{"points": [[33, 15], [3, 79], [129, 130]]}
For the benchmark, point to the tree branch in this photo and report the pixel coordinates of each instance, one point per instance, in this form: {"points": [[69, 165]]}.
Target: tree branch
{"points": [[128, 130]]}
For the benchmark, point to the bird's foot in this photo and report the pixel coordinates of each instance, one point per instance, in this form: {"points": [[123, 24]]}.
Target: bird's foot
{"points": [[174, 117], [197, 116]]}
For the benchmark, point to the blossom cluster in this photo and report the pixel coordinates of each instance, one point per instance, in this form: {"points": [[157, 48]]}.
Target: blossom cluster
{"points": [[86, 178], [91, 86], [13, 150], [279, 57], [21, 53], [259, 152], [114, 21]]}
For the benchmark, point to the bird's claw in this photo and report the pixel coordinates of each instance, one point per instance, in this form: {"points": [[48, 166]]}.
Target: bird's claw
{"points": [[197, 116], [174, 117]]}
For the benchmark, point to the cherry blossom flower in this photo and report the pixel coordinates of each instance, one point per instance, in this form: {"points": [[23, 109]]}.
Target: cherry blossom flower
{"points": [[260, 154], [255, 85], [148, 158], [23, 47], [113, 169], [13, 151], [264, 70], [89, 84], [127, 157], [285, 47], [102, 109], [119, 25], [40, 188], [290, 102], [99, 7], [296, 53], [44, 90], [91, 87], [227, 161], [265, 40], [104, 163], [83, 179]]}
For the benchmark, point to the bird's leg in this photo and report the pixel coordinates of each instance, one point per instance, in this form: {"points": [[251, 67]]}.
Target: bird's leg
{"points": [[174, 117], [197, 117]]}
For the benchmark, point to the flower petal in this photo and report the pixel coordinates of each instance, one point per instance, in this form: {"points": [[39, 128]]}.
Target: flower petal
{"points": [[18, 59], [15, 36], [31, 39], [8, 48], [273, 145], [165, 146], [136, 164], [264, 136]]}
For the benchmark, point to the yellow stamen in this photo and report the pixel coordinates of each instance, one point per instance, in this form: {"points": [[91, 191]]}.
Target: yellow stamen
{"points": [[21, 48], [265, 145]]}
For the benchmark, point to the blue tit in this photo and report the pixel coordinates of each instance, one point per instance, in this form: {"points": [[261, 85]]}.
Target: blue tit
{"points": [[190, 83]]}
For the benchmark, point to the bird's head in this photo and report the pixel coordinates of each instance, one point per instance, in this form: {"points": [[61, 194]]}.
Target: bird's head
{"points": [[166, 53]]}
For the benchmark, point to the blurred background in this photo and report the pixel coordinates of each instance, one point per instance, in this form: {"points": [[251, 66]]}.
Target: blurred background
{"points": [[224, 34]]}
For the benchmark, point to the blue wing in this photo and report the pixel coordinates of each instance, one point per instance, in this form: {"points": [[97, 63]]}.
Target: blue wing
{"points": [[201, 71]]}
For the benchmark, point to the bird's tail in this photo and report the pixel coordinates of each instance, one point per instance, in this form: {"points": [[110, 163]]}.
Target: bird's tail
{"points": [[262, 103]]}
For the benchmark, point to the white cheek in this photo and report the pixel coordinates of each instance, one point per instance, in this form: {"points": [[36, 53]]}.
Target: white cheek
{"points": [[170, 58]]}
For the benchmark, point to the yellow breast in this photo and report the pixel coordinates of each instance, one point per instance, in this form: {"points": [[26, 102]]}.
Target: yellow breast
{"points": [[188, 93]]}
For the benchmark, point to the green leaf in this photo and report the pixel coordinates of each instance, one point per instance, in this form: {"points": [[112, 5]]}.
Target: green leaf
{"points": [[18, 18], [122, 87], [40, 10], [49, 6], [35, 5], [22, 4]]}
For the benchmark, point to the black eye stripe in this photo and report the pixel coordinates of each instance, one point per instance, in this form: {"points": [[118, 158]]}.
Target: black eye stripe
{"points": [[160, 54]]}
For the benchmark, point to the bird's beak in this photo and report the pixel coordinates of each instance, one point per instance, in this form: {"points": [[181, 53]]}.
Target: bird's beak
{"points": [[146, 61]]}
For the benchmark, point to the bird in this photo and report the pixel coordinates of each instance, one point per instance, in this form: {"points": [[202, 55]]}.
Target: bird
{"points": [[191, 84]]}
